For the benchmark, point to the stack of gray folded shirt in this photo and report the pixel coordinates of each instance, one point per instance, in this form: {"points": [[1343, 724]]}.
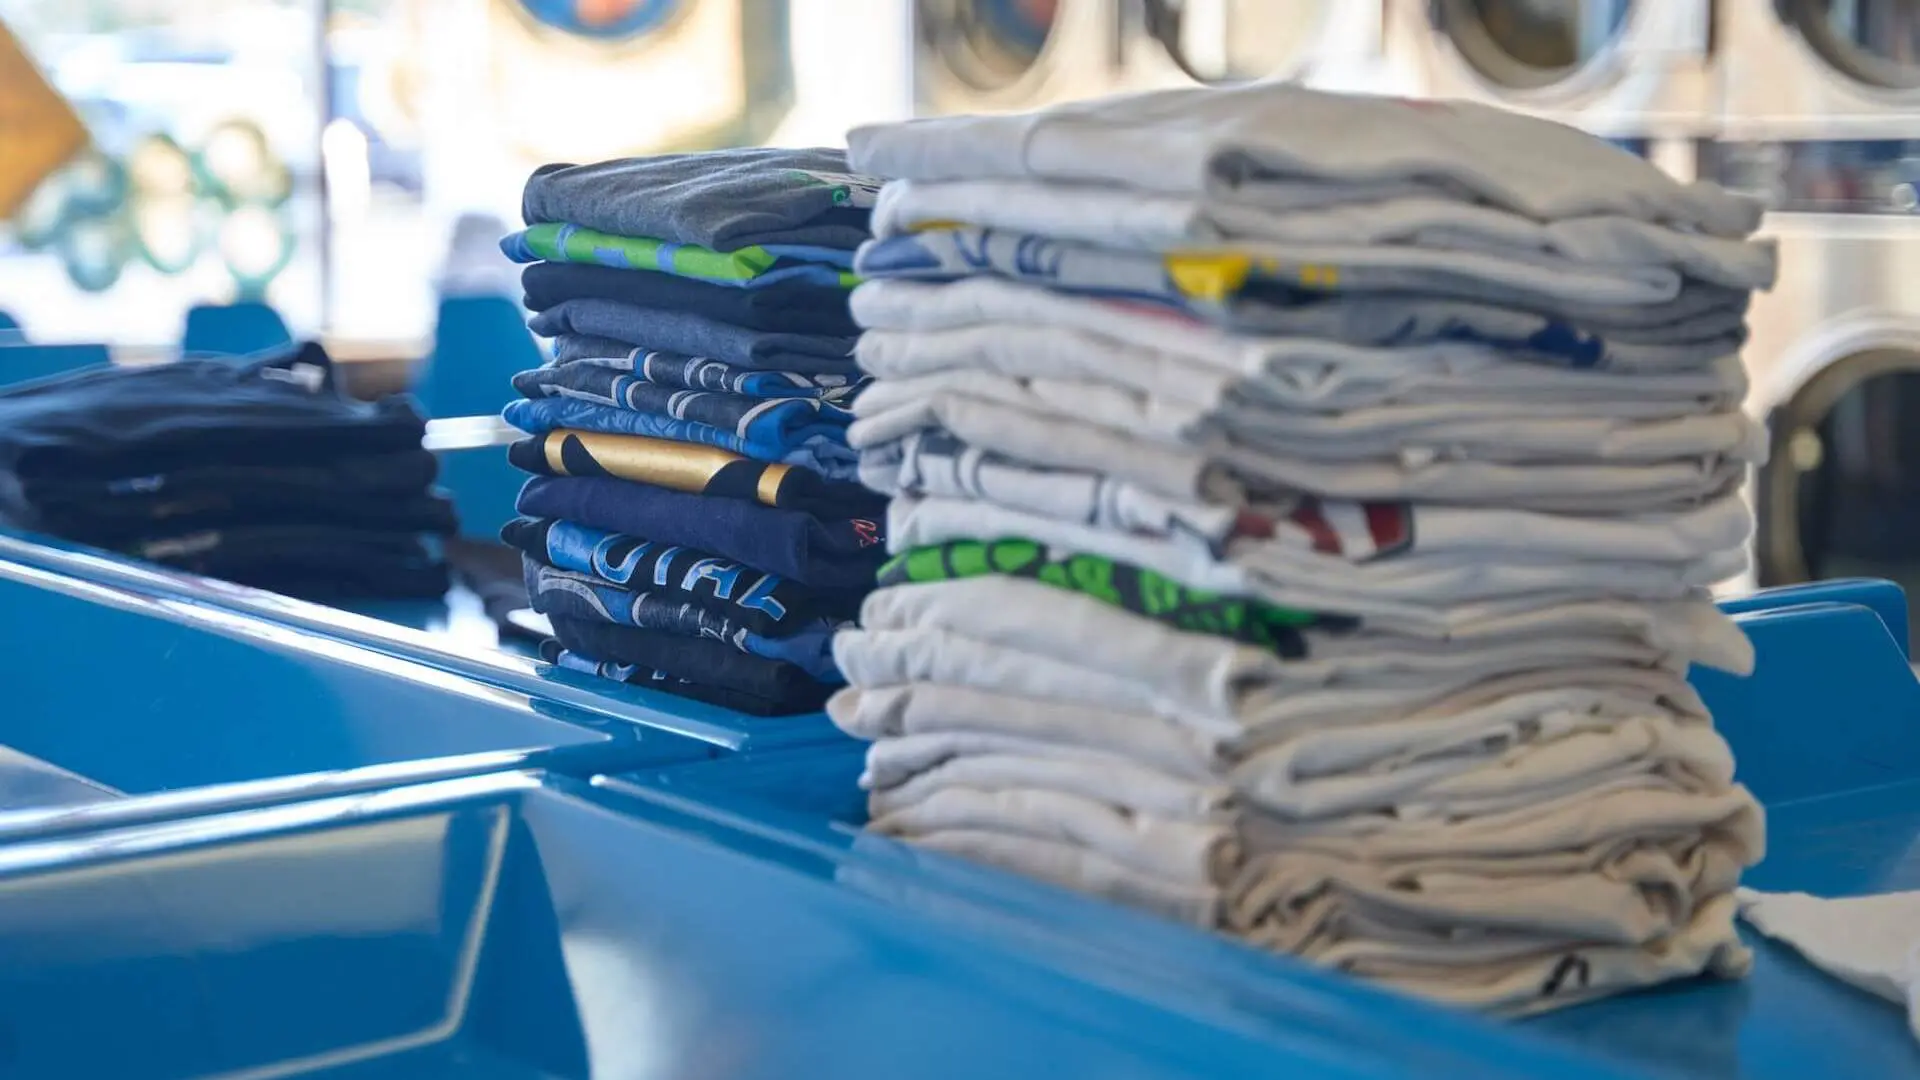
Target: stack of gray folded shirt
{"points": [[1456, 390]]}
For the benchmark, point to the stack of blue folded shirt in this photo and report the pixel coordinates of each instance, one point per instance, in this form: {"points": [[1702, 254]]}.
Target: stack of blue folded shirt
{"points": [[261, 474], [694, 524]]}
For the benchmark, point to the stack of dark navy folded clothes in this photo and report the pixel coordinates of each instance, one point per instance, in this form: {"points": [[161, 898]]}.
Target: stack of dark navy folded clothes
{"points": [[260, 473], [695, 523]]}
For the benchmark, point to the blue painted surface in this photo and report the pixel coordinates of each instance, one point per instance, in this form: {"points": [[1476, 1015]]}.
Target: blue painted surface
{"points": [[20, 362], [144, 694], [243, 329], [8, 322], [726, 917], [1883, 598], [516, 926], [456, 650]]}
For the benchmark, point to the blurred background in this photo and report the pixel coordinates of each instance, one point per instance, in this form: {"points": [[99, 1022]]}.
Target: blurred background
{"points": [[349, 161]]}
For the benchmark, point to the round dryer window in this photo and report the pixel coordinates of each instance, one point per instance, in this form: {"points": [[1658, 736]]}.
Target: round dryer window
{"points": [[1876, 42], [1224, 41], [1531, 44], [988, 45], [1840, 494]]}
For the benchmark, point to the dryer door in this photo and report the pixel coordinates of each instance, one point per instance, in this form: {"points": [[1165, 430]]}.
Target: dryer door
{"points": [[988, 54], [1840, 495], [1873, 42], [1530, 45], [1226, 41]]}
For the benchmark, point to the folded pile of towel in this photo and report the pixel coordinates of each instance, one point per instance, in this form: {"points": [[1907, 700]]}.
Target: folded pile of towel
{"points": [[695, 523], [262, 474], [1303, 508]]}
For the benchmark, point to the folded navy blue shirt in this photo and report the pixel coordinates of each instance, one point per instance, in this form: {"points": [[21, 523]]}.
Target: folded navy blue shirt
{"points": [[316, 562], [764, 603], [123, 521], [822, 448], [791, 306], [108, 423], [647, 678], [695, 335], [720, 199], [404, 472], [831, 553], [565, 594], [700, 660]]}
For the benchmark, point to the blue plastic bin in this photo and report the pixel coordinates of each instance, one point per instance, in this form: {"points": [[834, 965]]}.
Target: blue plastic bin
{"points": [[457, 654], [138, 694], [517, 925]]}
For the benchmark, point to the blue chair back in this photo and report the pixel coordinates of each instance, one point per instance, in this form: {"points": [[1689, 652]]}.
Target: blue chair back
{"points": [[243, 329], [20, 362]]}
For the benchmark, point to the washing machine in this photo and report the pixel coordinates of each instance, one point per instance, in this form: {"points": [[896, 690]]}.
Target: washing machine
{"points": [[1004, 55], [1331, 44], [1835, 357], [1822, 69], [1632, 69], [1010, 55]]}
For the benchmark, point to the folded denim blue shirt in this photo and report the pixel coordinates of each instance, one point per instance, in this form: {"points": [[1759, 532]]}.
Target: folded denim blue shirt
{"points": [[696, 659], [647, 678], [566, 594]]}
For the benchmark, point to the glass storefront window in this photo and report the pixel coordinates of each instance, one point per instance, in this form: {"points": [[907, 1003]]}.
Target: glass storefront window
{"points": [[351, 160]]}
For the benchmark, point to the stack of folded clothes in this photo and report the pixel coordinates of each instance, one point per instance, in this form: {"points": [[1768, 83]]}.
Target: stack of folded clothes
{"points": [[695, 523], [1303, 512], [262, 474]]}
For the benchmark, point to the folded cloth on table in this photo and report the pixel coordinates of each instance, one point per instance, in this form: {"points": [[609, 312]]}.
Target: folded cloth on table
{"points": [[1301, 375], [789, 435], [607, 385], [700, 470], [764, 603], [1143, 592], [1143, 221], [616, 328], [1361, 564], [1689, 333], [114, 422], [823, 552], [703, 373], [1263, 144], [566, 594], [742, 268], [401, 472], [125, 521], [792, 306], [1233, 282], [722, 199], [1588, 432], [1189, 472], [634, 675], [312, 561], [701, 660]]}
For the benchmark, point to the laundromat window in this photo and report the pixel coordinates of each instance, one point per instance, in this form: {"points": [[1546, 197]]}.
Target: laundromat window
{"points": [[1530, 44], [1876, 42], [987, 44], [1226, 41], [201, 180]]}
